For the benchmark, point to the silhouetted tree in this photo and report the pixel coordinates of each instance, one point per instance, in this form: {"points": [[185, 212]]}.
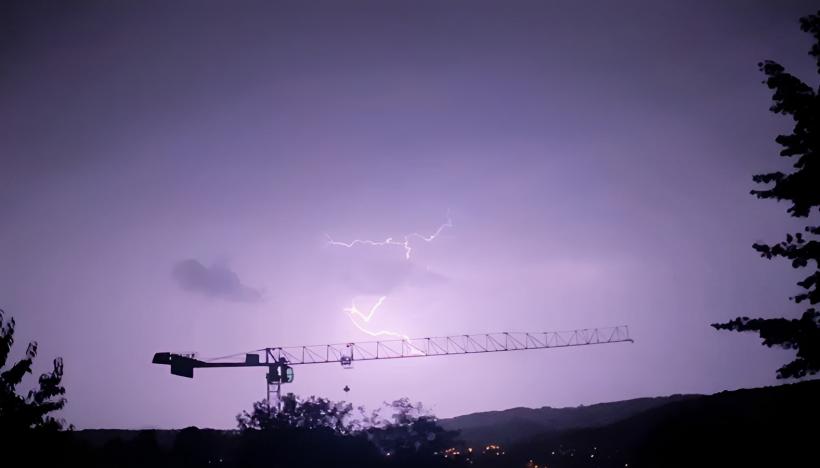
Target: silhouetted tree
{"points": [[801, 187], [20, 413], [302, 433], [411, 432], [288, 433], [310, 413]]}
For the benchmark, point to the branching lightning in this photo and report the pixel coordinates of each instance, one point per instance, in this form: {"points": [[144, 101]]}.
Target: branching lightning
{"points": [[405, 243], [353, 312]]}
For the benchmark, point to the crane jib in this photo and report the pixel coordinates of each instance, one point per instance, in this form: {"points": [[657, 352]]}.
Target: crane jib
{"points": [[279, 359]]}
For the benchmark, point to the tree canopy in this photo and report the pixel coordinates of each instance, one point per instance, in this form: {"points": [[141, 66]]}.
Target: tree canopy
{"points": [[20, 412], [801, 188], [311, 413]]}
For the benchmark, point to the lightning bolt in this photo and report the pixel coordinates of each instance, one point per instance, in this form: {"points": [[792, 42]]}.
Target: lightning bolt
{"points": [[353, 312], [404, 243]]}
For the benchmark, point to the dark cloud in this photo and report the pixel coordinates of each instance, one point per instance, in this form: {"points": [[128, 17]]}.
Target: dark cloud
{"points": [[218, 281]]}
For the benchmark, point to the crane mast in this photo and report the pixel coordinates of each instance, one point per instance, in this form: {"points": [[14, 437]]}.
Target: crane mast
{"points": [[280, 359]]}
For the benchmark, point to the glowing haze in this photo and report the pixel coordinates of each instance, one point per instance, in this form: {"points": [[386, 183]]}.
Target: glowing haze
{"points": [[355, 315], [225, 176]]}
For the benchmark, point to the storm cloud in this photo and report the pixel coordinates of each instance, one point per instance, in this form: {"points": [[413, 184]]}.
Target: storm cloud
{"points": [[218, 281]]}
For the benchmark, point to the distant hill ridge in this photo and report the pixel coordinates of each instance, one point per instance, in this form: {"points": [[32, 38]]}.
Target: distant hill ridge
{"points": [[517, 424], [767, 426]]}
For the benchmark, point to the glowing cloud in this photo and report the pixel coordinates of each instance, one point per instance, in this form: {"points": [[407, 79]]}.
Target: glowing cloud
{"points": [[353, 312]]}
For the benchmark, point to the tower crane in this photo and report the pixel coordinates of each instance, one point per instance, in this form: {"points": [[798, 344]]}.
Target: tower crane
{"points": [[280, 360]]}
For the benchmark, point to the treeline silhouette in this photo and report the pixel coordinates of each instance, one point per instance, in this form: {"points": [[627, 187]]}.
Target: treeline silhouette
{"points": [[298, 433], [773, 426]]}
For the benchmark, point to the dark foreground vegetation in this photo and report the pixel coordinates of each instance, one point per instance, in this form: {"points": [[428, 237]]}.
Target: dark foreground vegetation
{"points": [[800, 101], [300, 433], [773, 426]]}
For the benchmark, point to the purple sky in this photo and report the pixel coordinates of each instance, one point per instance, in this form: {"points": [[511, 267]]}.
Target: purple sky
{"points": [[168, 176]]}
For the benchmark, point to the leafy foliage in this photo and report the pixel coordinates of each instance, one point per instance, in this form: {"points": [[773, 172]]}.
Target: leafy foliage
{"points": [[311, 413], [410, 430], [801, 187], [18, 412], [409, 436]]}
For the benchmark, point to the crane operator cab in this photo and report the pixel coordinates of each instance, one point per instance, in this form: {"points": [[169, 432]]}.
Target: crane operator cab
{"points": [[347, 359], [280, 372]]}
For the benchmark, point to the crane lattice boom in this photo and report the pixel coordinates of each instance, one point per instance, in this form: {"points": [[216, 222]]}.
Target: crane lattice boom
{"points": [[279, 360], [347, 353]]}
